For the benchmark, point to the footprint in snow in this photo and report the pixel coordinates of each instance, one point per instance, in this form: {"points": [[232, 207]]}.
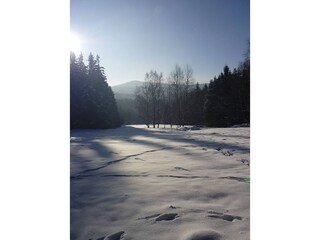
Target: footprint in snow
{"points": [[150, 217], [162, 217], [167, 217], [226, 217], [227, 153], [114, 236], [245, 161], [181, 168]]}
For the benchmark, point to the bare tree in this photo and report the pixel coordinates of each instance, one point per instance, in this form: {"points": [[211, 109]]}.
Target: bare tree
{"points": [[176, 79], [188, 82], [167, 110], [180, 82], [167, 104], [149, 97], [159, 95], [142, 99]]}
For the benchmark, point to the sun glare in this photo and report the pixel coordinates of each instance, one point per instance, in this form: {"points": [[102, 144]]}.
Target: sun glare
{"points": [[75, 43]]}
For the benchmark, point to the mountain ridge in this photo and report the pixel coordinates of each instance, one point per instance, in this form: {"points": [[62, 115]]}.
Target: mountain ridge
{"points": [[127, 89]]}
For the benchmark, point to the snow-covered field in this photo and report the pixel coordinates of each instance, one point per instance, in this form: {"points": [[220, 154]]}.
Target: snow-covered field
{"points": [[145, 184]]}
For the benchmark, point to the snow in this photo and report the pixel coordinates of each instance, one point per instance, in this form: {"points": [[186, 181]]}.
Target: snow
{"points": [[139, 183]]}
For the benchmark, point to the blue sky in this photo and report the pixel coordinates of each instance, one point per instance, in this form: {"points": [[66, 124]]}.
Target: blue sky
{"points": [[134, 36]]}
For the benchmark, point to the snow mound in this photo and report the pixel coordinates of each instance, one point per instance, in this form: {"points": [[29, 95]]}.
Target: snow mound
{"points": [[203, 235]]}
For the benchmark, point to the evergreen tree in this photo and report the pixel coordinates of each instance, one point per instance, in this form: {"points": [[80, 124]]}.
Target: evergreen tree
{"points": [[228, 99], [78, 94], [197, 98], [92, 100]]}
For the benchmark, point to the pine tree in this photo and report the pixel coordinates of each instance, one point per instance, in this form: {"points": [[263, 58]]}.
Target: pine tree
{"points": [[228, 99], [92, 101], [197, 98]]}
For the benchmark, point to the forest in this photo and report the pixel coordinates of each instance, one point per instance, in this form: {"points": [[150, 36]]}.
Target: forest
{"points": [[174, 100], [92, 102], [224, 102]]}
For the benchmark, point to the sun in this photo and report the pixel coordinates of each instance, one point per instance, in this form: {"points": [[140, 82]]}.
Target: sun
{"points": [[75, 43]]}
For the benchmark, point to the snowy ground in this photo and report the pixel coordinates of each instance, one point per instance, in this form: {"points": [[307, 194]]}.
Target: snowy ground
{"points": [[145, 184]]}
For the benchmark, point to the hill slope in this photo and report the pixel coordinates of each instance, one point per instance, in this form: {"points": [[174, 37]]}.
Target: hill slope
{"points": [[126, 90]]}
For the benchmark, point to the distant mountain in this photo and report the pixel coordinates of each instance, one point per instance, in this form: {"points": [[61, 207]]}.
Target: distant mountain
{"points": [[126, 90]]}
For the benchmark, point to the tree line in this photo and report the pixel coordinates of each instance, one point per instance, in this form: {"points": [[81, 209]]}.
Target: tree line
{"points": [[228, 99], [175, 100], [172, 101], [92, 102], [178, 101]]}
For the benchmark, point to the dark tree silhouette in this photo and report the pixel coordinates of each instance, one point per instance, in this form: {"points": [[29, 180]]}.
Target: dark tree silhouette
{"points": [[228, 99], [196, 105], [92, 102], [222, 103], [149, 98]]}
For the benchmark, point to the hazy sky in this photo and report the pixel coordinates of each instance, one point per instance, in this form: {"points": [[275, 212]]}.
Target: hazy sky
{"points": [[134, 36]]}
